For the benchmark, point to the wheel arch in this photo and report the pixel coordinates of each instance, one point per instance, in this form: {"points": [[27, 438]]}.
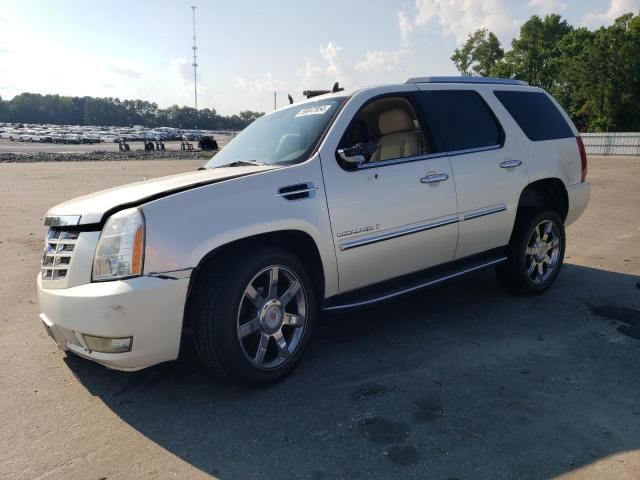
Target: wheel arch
{"points": [[549, 193], [298, 242]]}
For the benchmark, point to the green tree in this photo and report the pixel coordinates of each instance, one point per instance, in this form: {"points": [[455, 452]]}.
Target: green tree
{"points": [[35, 108], [611, 82], [533, 53], [249, 116], [480, 53], [595, 75]]}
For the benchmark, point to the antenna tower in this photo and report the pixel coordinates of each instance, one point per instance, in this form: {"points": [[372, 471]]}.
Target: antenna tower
{"points": [[195, 59]]}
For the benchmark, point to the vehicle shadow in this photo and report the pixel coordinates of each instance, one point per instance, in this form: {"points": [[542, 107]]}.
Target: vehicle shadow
{"points": [[462, 381]]}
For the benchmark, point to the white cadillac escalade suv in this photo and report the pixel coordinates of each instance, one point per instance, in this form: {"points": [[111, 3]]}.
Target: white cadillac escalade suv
{"points": [[340, 201]]}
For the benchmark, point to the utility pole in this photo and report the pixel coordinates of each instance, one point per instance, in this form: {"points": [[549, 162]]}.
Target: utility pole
{"points": [[195, 59]]}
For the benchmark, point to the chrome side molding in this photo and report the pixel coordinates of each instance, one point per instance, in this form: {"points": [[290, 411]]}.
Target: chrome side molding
{"points": [[400, 232], [483, 212], [380, 237]]}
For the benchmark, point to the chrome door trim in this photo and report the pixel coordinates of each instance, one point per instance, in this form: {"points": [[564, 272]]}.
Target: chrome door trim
{"points": [[62, 220], [483, 212], [497, 146], [380, 237], [429, 156], [415, 158], [417, 287]]}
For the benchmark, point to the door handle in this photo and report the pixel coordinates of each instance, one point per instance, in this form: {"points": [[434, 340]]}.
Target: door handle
{"points": [[511, 163], [435, 178]]}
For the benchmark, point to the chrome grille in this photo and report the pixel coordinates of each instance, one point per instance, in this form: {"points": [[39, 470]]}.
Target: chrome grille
{"points": [[58, 251]]}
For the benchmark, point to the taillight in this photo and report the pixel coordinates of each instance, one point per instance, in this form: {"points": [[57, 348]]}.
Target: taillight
{"points": [[583, 158]]}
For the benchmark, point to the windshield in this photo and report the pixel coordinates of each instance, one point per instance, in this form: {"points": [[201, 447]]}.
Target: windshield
{"points": [[284, 137]]}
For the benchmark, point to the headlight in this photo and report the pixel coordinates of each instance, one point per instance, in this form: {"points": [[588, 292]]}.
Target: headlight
{"points": [[121, 247]]}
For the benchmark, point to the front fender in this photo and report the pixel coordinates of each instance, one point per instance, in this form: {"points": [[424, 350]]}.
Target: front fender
{"points": [[182, 229]]}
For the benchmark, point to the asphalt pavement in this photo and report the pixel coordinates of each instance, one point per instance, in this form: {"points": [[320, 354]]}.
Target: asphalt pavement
{"points": [[463, 381]]}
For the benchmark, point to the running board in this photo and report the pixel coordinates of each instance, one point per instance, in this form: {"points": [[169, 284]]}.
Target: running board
{"points": [[411, 283]]}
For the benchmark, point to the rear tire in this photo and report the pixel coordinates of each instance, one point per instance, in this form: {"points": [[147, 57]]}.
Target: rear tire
{"points": [[252, 315], [535, 252]]}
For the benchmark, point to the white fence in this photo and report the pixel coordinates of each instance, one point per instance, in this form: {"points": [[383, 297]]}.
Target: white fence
{"points": [[627, 143]]}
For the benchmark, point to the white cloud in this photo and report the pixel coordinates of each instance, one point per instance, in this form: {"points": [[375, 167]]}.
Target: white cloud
{"points": [[265, 84], [461, 17], [380, 61], [615, 10], [181, 69], [126, 69], [548, 6], [406, 27], [330, 54], [332, 68]]}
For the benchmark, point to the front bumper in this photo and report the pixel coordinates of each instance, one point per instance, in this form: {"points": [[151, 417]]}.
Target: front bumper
{"points": [[578, 199], [149, 309]]}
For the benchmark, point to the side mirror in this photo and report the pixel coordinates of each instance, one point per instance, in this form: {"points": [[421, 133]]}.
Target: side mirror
{"points": [[351, 156], [358, 154]]}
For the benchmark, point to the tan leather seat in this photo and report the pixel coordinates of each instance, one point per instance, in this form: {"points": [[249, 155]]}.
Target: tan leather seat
{"points": [[399, 137]]}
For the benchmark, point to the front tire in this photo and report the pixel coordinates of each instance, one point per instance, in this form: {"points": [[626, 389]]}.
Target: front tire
{"points": [[536, 252], [252, 316]]}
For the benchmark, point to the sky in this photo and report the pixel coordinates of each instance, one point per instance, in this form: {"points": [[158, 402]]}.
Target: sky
{"points": [[248, 49]]}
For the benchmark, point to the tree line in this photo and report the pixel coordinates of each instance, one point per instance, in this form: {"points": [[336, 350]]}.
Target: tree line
{"points": [[56, 109], [594, 74]]}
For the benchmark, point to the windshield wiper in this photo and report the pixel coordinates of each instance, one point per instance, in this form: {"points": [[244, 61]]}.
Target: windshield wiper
{"points": [[243, 163]]}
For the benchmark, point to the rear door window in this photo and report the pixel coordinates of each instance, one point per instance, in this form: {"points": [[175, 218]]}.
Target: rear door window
{"points": [[535, 114], [460, 119]]}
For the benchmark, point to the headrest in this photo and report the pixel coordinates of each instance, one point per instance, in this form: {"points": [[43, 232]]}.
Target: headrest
{"points": [[394, 121]]}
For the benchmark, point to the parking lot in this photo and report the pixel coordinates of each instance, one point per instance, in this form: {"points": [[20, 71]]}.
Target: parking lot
{"points": [[464, 381], [7, 146]]}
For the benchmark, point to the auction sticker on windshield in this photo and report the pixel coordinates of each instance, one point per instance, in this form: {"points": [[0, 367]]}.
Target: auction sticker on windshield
{"points": [[317, 110]]}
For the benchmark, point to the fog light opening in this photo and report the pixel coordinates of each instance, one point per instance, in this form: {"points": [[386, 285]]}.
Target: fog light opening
{"points": [[107, 345]]}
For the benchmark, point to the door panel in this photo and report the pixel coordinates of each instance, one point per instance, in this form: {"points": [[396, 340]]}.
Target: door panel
{"points": [[485, 159], [387, 223], [487, 198]]}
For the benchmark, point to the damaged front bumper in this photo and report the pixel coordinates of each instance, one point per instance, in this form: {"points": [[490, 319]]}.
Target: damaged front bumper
{"points": [[135, 322]]}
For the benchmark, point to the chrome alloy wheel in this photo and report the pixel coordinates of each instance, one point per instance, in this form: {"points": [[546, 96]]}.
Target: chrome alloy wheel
{"points": [[543, 252], [271, 317]]}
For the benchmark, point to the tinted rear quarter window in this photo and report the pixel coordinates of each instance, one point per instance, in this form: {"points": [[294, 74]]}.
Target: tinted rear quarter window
{"points": [[535, 114], [460, 119]]}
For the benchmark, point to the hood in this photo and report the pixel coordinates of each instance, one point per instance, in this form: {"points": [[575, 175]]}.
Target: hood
{"points": [[95, 207]]}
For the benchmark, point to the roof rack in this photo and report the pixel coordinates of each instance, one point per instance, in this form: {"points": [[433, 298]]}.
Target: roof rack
{"points": [[314, 93], [466, 79]]}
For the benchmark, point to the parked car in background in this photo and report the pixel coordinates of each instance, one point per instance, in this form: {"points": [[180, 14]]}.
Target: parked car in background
{"points": [[109, 138], [72, 138], [89, 138], [26, 136], [57, 137], [44, 137], [191, 136]]}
